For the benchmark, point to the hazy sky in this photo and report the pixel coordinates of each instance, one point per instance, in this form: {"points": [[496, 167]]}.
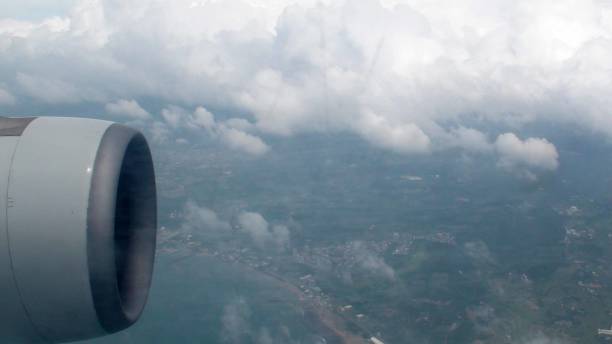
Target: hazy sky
{"points": [[413, 77], [35, 9]]}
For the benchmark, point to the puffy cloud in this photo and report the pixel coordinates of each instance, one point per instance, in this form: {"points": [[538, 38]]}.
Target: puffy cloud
{"points": [[231, 132], [178, 117], [262, 233], [402, 138], [198, 218], [203, 118], [242, 141], [173, 115], [532, 152], [127, 108], [256, 226], [470, 140], [392, 71]]}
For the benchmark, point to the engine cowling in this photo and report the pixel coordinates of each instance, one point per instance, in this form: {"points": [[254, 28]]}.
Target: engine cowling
{"points": [[77, 228]]}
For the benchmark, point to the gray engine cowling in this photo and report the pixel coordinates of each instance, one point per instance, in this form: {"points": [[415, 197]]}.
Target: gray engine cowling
{"points": [[78, 219]]}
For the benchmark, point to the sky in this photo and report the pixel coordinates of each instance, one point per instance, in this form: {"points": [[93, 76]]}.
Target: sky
{"points": [[414, 77], [35, 9]]}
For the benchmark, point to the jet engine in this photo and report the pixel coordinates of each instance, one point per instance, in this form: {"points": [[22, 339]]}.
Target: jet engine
{"points": [[78, 219]]}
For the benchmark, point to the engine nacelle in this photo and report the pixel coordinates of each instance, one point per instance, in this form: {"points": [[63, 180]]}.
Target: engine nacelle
{"points": [[77, 228]]}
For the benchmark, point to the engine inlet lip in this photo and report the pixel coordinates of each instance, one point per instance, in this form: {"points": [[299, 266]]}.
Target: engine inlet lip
{"points": [[120, 247]]}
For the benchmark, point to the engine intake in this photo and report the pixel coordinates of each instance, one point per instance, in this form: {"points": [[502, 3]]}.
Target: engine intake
{"points": [[77, 228]]}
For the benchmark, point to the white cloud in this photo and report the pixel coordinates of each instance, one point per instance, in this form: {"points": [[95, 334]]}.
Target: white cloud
{"points": [[532, 153], [203, 118], [281, 235], [391, 72], [240, 124], [198, 218], [470, 140], [24, 29], [242, 141], [48, 90], [231, 132], [173, 115], [402, 138], [178, 117], [262, 233], [127, 108], [6, 98], [256, 226]]}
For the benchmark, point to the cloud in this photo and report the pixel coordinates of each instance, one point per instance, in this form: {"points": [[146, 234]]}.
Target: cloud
{"points": [[532, 153], [173, 115], [127, 108], [262, 233], [239, 140], [48, 90], [238, 326], [402, 138], [370, 261], [393, 72], [203, 118], [470, 140], [281, 235], [177, 117], [524, 158], [198, 218], [6, 98], [159, 132], [236, 321], [231, 132], [256, 226], [540, 338]]}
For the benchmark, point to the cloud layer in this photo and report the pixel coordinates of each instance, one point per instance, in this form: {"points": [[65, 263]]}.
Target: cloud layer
{"points": [[401, 74]]}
